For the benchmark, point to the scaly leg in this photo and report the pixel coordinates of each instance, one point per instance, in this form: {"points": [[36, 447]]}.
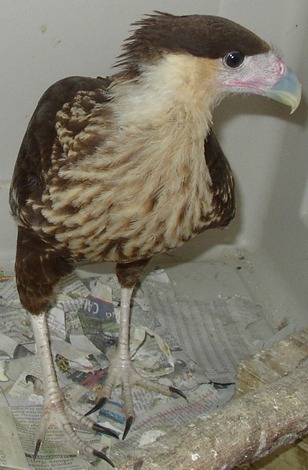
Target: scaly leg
{"points": [[56, 410], [122, 372]]}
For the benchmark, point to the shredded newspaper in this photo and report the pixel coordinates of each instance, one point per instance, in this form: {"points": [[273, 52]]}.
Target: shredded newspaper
{"points": [[193, 346]]}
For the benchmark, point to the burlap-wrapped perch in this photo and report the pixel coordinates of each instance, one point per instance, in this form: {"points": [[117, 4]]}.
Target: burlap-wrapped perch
{"points": [[250, 426]]}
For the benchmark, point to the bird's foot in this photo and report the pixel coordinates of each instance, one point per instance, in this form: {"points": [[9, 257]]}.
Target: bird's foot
{"points": [[57, 411], [123, 373]]}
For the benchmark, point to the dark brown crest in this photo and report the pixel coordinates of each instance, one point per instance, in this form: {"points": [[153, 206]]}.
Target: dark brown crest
{"points": [[199, 35]]}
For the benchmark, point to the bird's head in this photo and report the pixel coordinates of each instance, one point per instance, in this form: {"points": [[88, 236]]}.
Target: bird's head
{"points": [[222, 56]]}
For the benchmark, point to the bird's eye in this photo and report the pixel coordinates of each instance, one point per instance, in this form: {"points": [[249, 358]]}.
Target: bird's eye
{"points": [[234, 59]]}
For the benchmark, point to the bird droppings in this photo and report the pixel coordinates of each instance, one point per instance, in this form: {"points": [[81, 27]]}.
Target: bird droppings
{"points": [[149, 437], [195, 457], [43, 28]]}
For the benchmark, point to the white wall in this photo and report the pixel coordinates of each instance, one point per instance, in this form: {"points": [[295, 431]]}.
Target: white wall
{"points": [[42, 41]]}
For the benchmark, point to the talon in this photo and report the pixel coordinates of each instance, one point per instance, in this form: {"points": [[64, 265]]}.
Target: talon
{"points": [[102, 429], [98, 406], [30, 378], [37, 448], [128, 425], [178, 392], [101, 455]]}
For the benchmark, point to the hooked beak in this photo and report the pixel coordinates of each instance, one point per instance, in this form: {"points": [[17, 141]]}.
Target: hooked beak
{"points": [[287, 90]]}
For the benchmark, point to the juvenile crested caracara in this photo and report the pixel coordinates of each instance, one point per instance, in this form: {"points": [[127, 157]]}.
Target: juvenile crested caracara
{"points": [[122, 168]]}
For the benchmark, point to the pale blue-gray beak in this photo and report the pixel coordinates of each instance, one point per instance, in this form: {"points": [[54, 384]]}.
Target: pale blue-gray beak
{"points": [[287, 90]]}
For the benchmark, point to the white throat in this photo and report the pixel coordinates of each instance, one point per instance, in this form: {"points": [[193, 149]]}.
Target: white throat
{"points": [[168, 91]]}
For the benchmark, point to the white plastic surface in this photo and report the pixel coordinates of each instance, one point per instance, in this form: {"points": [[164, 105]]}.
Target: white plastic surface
{"points": [[43, 41]]}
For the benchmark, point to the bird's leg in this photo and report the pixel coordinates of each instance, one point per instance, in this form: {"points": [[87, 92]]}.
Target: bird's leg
{"points": [[56, 410], [122, 362], [122, 371], [120, 367], [52, 393]]}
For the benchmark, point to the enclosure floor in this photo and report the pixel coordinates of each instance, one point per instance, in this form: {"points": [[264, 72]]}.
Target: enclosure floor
{"points": [[220, 272], [227, 272]]}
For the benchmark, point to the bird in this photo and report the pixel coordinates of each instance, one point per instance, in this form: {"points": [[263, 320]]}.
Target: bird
{"points": [[126, 167]]}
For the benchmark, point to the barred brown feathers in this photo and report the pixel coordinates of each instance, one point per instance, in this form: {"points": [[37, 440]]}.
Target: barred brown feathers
{"points": [[106, 193]]}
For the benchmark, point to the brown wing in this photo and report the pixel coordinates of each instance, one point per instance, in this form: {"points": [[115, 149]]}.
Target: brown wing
{"points": [[40, 263], [222, 182], [34, 158]]}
